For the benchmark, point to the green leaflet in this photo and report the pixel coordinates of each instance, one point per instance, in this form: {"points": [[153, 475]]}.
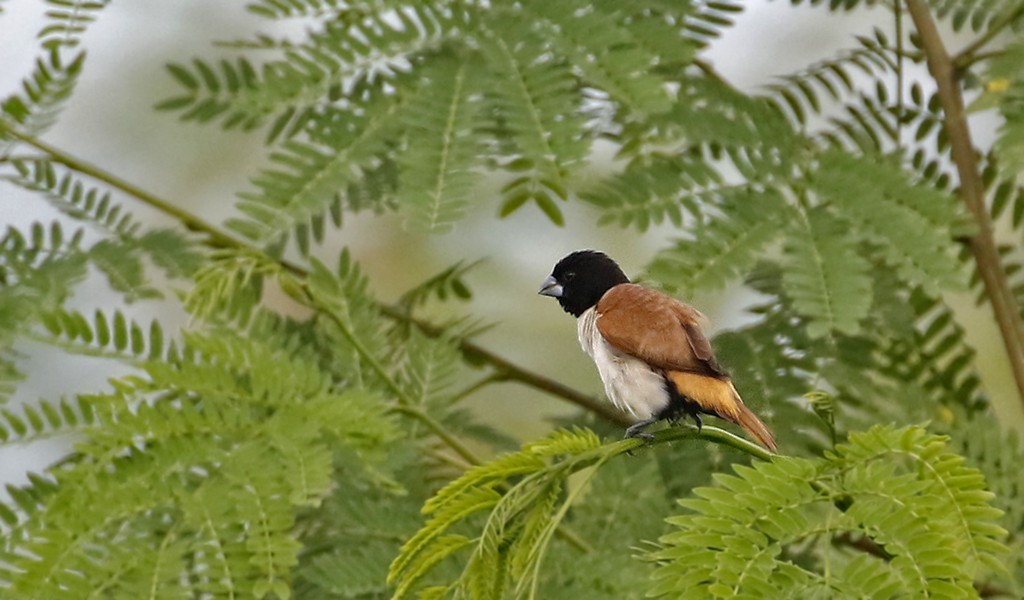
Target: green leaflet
{"points": [[977, 16], [430, 369], [801, 93], [290, 89], [44, 93], [67, 21]]}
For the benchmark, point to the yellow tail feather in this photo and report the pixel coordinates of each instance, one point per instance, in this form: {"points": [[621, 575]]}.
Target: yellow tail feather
{"points": [[720, 398]]}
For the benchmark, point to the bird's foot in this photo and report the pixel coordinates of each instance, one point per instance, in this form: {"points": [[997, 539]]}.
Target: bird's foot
{"points": [[636, 430]]}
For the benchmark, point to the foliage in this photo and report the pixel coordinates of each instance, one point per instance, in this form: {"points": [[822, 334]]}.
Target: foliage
{"points": [[924, 515], [321, 445]]}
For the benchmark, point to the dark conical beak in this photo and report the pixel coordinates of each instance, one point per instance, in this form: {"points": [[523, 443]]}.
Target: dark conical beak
{"points": [[551, 287]]}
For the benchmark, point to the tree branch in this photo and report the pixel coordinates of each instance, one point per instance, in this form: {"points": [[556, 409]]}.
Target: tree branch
{"points": [[972, 191]]}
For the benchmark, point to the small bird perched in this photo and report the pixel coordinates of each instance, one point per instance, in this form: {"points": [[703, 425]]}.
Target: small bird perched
{"points": [[653, 358]]}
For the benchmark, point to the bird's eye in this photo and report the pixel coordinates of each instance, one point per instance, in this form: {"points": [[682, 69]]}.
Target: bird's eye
{"points": [[568, 276]]}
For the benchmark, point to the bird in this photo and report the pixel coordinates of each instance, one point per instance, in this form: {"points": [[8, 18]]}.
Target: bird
{"points": [[649, 348]]}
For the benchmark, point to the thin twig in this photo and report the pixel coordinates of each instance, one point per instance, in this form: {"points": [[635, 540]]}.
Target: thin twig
{"points": [[970, 53], [972, 190], [513, 372], [708, 433], [439, 430], [216, 237]]}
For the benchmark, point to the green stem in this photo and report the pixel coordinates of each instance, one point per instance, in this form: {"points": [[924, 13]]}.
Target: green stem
{"points": [[216, 237], [439, 430], [707, 433], [511, 371]]}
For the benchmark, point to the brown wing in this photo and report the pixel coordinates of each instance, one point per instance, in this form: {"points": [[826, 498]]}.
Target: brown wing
{"points": [[657, 329]]}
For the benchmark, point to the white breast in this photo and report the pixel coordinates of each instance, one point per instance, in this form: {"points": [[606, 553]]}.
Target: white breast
{"points": [[631, 385]]}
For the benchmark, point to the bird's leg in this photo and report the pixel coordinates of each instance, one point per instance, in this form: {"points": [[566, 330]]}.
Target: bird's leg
{"points": [[636, 430], [696, 419]]}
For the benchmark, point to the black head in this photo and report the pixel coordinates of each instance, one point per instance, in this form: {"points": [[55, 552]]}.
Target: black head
{"points": [[579, 280]]}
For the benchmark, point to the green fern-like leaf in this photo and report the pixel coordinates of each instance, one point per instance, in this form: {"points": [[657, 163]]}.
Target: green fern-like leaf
{"points": [[343, 52], [884, 485], [39, 270], [825, 276], [985, 443], [430, 369], [310, 176], [534, 96], [120, 255], [72, 197], [609, 56], [351, 573], [229, 284], [654, 189], [437, 175], [935, 356], [42, 419], [113, 335], [957, 500], [238, 431], [449, 283], [707, 19], [877, 197], [521, 523], [724, 246], [717, 122], [801, 93]]}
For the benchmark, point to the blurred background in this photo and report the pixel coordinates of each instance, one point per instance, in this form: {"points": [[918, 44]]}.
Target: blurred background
{"points": [[111, 123]]}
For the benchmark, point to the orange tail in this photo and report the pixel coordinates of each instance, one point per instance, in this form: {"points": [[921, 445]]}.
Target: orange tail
{"points": [[718, 397], [756, 428]]}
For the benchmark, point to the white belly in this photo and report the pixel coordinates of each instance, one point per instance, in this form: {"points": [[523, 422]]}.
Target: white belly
{"points": [[631, 385]]}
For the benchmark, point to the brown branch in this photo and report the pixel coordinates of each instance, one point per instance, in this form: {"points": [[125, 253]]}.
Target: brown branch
{"points": [[972, 191], [513, 372]]}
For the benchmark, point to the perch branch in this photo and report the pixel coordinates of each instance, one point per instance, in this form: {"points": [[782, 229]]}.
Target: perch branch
{"points": [[972, 191]]}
